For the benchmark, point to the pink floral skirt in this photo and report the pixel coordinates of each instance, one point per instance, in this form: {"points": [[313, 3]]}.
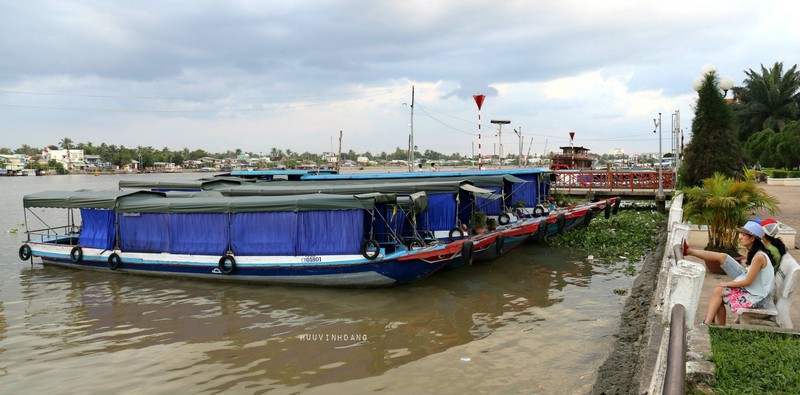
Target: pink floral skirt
{"points": [[738, 298]]}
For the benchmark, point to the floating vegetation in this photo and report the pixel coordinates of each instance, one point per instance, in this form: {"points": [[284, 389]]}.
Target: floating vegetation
{"points": [[627, 236]]}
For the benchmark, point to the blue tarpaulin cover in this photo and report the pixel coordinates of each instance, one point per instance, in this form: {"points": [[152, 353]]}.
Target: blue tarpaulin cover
{"points": [[97, 229], [144, 232], [198, 233], [264, 233], [526, 191], [330, 232], [441, 212], [490, 206]]}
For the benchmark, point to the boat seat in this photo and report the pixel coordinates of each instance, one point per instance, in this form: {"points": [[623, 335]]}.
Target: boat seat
{"points": [[779, 302]]}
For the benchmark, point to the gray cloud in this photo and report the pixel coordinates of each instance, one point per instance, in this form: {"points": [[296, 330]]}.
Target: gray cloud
{"points": [[234, 68]]}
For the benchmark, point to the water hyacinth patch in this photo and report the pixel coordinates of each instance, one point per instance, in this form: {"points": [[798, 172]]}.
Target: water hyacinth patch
{"points": [[627, 236]]}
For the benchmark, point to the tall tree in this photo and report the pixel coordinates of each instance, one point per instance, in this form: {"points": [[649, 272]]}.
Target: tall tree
{"points": [[767, 100], [65, 144], [760, 147], [713, 146], [787, 146]]}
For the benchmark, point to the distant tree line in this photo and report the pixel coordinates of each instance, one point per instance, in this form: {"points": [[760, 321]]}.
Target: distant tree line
{"points": [[148, 156]]}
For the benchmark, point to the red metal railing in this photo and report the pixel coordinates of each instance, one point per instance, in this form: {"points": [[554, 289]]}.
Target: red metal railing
{"points": [[610, 180]]}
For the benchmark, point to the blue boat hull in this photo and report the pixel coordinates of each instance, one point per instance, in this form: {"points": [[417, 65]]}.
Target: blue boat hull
{"points": [[399, 268]]}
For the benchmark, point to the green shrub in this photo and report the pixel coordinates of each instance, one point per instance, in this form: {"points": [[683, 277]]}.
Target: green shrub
{"points": [[779, 174], [794, 174]]}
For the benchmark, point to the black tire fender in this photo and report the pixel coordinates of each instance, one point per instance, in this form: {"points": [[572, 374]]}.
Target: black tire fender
{"points": [[456, 234], [415, 244], [370, 249], [561, 221], [466, 253], [538, 211], [76, 254], [504, 219], [587, 218], [498, 244], [616, 204], [114, 261], [227, 264], [541, 232], [25, 252], [608, 210]]}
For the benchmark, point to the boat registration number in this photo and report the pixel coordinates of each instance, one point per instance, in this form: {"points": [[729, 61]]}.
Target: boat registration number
{"points": [[311, 259]]}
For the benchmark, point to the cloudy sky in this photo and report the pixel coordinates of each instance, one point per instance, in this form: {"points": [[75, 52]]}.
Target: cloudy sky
{"points": [[222, 75]]}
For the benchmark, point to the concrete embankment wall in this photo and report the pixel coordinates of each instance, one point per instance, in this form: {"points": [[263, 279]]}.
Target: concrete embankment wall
{"points": [[680, 281]]}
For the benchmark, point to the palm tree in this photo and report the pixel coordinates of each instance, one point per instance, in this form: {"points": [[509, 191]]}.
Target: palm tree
{"points": [[767, 100], [65, 144], [722, 203]]}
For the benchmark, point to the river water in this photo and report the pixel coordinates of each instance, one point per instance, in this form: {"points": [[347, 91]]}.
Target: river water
{"points": [[537, 321]]}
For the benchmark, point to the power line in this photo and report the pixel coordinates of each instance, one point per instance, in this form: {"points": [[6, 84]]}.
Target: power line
{"points": [[442, 122]]}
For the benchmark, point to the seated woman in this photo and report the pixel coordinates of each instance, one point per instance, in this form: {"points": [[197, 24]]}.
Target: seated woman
{"points": [[773, 243], [750, 286]]}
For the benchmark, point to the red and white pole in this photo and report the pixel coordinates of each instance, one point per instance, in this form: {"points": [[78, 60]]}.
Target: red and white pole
{"points": [[479, 102]]}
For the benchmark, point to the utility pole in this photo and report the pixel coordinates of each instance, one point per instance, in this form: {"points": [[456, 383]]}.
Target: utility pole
{"points": [[500, 124], [411, 135], [528, 155], [339, 157], [521, 141], [660, 197]]}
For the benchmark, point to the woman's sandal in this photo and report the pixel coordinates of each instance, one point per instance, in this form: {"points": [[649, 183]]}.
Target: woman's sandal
{"points": [[703, 325]]}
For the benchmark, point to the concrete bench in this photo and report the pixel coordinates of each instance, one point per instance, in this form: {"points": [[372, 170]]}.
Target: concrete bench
{"points": [[779, 302]]}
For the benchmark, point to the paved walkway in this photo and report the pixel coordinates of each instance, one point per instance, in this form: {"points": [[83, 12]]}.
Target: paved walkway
{"points": [[789, 198]]}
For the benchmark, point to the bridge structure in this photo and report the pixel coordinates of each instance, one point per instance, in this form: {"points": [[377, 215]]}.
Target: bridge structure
{"points": [[613, 182]]}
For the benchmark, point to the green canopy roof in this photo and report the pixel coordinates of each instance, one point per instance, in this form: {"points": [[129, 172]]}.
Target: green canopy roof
{"points": [[238, 204], [152, 202], [352, 187], [83, 198], [182, 184]]}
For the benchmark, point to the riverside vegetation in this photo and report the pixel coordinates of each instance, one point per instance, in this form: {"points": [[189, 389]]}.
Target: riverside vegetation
{"points": [[623, 238]]}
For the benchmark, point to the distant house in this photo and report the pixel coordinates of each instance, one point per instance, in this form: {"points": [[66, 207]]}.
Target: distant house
{"points": [[12, 162], [192, 164], [70, 159], [167, 167], [330, 157]]}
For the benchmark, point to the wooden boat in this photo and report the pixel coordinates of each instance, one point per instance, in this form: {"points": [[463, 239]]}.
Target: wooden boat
{"points": [[449, 204], [318, 240], [526, 189], [452, 197]]}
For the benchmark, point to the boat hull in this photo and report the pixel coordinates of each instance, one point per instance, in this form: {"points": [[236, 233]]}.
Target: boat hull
{"points": [[331, 271]]}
